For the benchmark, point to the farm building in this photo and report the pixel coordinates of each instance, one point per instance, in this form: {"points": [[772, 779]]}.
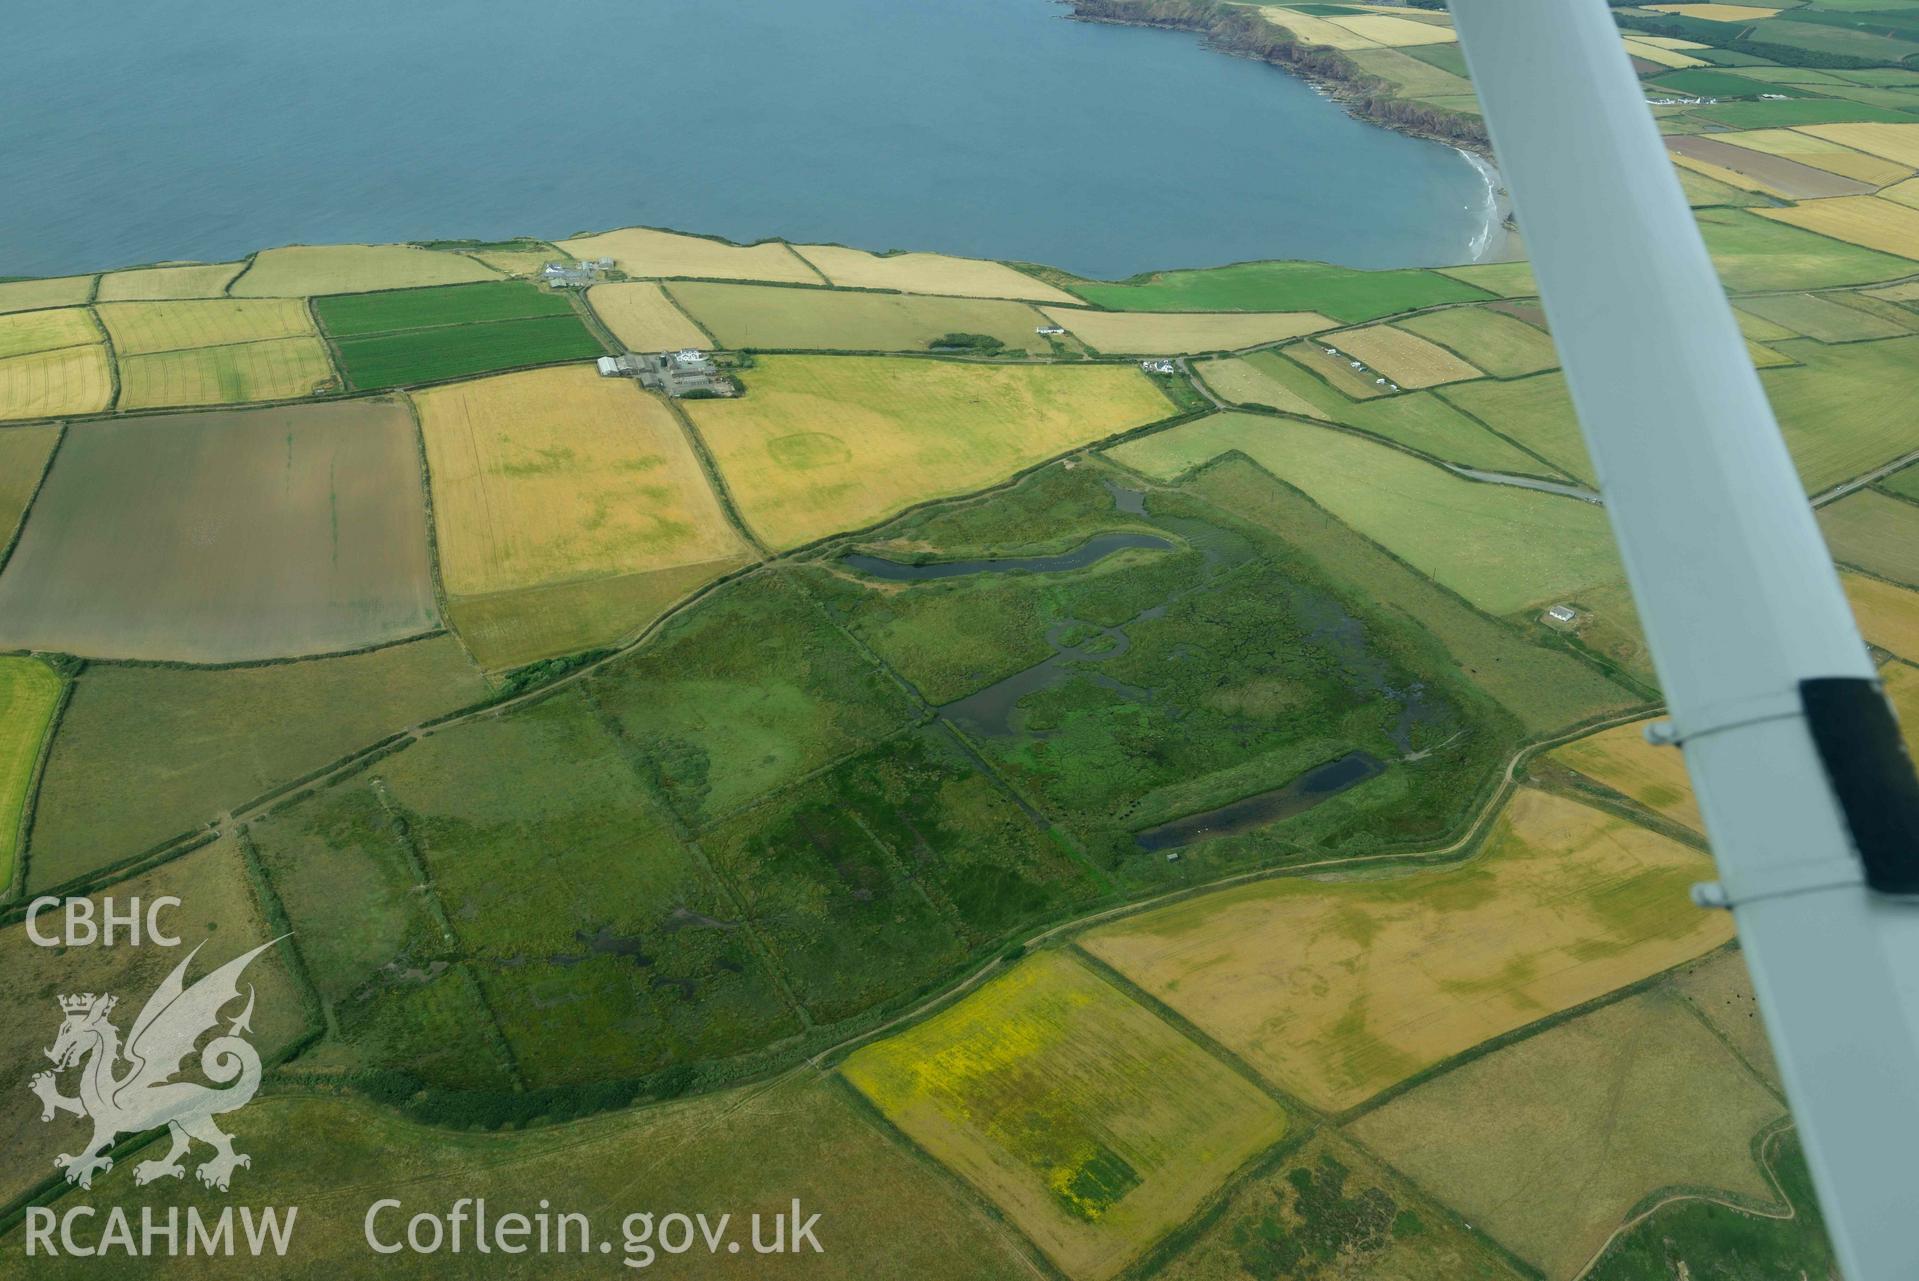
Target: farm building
{"points": [[686, 372], [1051, 331], [1562, 613], [1157, 366], [577, 274]]}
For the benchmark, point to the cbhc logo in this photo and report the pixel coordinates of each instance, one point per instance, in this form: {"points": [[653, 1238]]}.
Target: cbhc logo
{"points": [[105, 924]]}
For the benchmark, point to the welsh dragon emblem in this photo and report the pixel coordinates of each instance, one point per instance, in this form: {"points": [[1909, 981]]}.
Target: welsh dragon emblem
{"points": [[128, 1089]]}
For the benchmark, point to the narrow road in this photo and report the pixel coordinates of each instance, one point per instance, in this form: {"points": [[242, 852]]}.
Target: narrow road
{"points": [[1527, 482]]}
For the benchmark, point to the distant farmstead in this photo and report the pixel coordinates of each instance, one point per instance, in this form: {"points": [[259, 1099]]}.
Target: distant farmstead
{"points": [[687, 372], [577, 274], [1157, 366], [1051, 331], [1562, 613]]}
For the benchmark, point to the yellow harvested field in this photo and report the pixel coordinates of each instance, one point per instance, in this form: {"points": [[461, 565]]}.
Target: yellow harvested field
{"points": [[299, 270], [1336, 989], [643, 317], [1860, 220], [642, 251], [517, 262], [1718, 12], [821, 444], [25, 332], [1406, 358], [1819, 153], [1888, 616], [280, 369], [72, 380], [928, 274], [1547, 1145], [1622, 759], [1308, 29], [1764, 357], [1396, 32], [142, 327], [57, 291], [177, 280], [1093, 1125], [1898, 143], [1660, 54], [1904, 193], [1172, 333], [555, 475]]}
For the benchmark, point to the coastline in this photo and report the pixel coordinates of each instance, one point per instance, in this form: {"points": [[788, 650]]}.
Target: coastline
{"points": [[1335, 77]]}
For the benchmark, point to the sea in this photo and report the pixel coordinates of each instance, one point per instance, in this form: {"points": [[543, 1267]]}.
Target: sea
{"points": [[134, 132]]}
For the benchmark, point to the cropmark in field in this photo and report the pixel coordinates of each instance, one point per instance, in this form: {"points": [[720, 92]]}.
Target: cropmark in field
{"points": [[1622, 759], [562, 478], [821, 444], [1092, 1124], [1338, 989], [1547, 1145]]}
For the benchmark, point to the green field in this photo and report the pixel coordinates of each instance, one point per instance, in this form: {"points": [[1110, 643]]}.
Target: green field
{"points": [[278, 369], [1501, 548], [405, 336], [1904, 482], [1419, 420], [753, 690], [771, 318], [1702, 82], [1800, 111], [29, 694], [458, 351], [145, 754], [1534, 411], [1846, 409], [1504, 346], [1094, 1126], [1878, 534], [1342, 293], [1754, 254], [357, 315], [1818, 316]]}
